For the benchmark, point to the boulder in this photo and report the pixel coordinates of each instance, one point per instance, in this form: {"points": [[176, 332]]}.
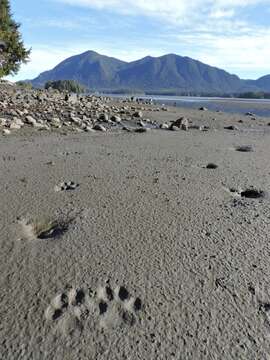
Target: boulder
{"points": [[181, 123], [116, 119], [99, 127], [30, 120], [104, 117], [6, 132], [138, 114]]}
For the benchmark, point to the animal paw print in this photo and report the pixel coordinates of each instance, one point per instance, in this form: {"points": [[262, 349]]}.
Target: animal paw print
{"points": [[68, 310], [66, 186], [76, 309], [116, 307]]}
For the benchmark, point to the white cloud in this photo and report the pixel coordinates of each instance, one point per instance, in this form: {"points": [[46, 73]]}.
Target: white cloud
{"points": [[212, 31], [218, 14], [242, 53], [170, 10]]}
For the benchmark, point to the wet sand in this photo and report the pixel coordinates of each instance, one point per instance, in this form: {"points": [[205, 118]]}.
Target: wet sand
{"points": [[151, 256]]}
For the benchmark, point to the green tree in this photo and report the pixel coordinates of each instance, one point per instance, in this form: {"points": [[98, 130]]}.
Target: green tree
{"points": [[12, 50], [65, 85]]}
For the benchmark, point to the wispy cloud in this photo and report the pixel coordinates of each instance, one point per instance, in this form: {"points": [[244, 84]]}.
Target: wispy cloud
{"points": [[241, 54], [224, 33], [170, 10], [220, 32]]}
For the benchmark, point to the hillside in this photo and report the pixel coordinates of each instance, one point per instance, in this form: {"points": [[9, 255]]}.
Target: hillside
{"points": [[168, 72]]}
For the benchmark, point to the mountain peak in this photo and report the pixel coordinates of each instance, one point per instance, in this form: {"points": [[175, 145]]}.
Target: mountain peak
{"points": [[167, 72]]}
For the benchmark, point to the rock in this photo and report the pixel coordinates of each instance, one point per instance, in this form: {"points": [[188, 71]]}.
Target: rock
{"points": [[181, 123], [126, 128], [184, 127], [211, 166], [76, 120], [116, 119], [40, 126], [174, 128], [138, 114], [55, 120], [141, 123], [89, 129], [253, 193], [164, 126], [231, 127], [104, 117], [30, 120], [197, 127], [71, 98], [6, 132], [3, 122], [14, 126], [250, 114], [99, 127], [141, 130], [244, 148], [18, 121], [203, 108]]}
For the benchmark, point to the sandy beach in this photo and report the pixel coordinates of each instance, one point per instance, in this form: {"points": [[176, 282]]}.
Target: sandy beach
{"points": [[123, 245]]}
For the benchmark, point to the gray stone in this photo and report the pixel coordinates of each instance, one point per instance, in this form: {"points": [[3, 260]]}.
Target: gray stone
{"points": [[99, 127], [138, 114]]}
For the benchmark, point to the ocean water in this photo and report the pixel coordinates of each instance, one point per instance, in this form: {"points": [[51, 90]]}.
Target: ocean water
{"points": [[260, 107]]}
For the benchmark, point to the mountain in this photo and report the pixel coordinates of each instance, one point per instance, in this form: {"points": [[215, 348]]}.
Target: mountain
{"points": [[263, 83], [166, 73], [90, 69]]}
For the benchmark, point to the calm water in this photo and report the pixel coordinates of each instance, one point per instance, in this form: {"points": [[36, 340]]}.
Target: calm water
{"points": [[241, 106]]}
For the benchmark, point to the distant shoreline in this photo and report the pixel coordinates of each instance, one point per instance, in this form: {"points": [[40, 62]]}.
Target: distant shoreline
{"points": [[259, 107]]}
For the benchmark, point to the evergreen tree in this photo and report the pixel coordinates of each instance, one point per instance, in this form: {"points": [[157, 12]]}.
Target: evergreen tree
{"points": [[12, 50], [66, 85]]}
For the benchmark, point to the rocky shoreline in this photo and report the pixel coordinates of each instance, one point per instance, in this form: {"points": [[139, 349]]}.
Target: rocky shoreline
{"points": [[50, 110]]}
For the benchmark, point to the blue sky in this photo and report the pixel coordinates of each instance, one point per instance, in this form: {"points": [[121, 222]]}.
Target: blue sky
{"points": [[230, 34]]}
